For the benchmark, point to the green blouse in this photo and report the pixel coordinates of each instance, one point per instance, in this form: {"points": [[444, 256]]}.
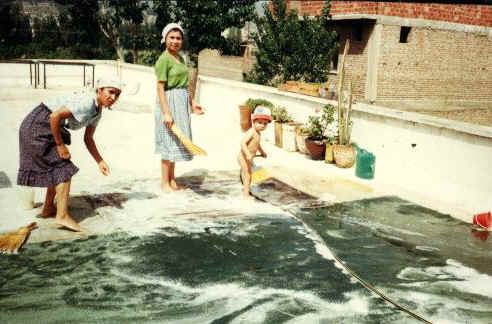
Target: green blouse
{"points": [[173, 73]]}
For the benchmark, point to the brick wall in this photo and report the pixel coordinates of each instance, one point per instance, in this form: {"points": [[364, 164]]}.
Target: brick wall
{"points": [[470, 14], [434, 65], [355, 61]]}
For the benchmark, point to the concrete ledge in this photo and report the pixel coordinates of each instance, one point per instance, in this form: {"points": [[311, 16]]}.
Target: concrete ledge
{"points": [[415, 22]]}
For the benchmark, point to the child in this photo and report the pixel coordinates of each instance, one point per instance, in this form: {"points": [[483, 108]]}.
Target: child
{"points": [[250, 144]]}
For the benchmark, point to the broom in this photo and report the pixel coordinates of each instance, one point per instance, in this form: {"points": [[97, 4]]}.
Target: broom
{"points": [[194, 149], [12, 242]]}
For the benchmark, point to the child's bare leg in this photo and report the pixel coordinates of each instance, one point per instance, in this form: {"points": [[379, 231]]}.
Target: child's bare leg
{"points": [[246, 176], [172, 179], [165, 176], [62, 217], [49, 209]]}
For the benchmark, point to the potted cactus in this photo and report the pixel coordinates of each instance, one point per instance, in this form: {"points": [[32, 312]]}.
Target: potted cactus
{"points": [[343, 151]]}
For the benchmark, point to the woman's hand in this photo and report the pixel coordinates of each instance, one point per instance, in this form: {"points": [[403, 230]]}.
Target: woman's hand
{"points": [[196, 108], [63, 151], [168, 120], [103, 167]]}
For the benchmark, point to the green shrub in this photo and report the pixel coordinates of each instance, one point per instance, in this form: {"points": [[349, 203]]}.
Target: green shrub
{"points": [[290, 48], [316, 126]]}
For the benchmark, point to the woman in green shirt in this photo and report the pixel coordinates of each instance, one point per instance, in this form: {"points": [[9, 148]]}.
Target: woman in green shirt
{"points": [[172, 106]]}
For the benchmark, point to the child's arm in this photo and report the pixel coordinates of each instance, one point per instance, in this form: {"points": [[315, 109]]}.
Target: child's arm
{"points": [[261, 151], [244, 144]]}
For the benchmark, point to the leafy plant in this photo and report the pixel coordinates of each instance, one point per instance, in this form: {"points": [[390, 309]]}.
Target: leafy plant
{"points": [[281, 115], [316, 126], [253, 103]]}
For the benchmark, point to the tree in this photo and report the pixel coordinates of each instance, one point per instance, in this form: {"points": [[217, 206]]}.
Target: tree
{"points": [[14, 30], [204, 21], [289, 48], [113, 14]]}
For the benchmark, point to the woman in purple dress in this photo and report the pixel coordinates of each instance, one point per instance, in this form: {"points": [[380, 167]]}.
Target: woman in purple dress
{"points": [[43, 139]]}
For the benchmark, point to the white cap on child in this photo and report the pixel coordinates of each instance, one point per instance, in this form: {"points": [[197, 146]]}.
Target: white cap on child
{"points": [[262, 112]]}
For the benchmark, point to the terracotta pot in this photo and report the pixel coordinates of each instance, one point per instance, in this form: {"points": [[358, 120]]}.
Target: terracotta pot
{"points": [[344, 155], [245, 117], [316, 149]]}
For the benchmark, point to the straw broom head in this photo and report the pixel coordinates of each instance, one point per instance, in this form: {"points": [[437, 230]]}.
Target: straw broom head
{"points": [[12, 242], [194, 149]]}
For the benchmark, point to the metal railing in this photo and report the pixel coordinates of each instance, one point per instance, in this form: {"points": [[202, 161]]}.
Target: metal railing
{"points": [[36, 63]]}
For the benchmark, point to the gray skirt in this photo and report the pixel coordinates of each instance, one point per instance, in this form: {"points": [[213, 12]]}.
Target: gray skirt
{"points": [[40, 165], [166, 143]]}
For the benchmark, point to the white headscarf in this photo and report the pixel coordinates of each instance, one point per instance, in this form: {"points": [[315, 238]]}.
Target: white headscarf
{"points": [[109, 83], [168, 28]]}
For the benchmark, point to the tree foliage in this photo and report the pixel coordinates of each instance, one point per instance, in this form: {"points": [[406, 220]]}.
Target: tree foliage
{"points": [[113, 14], [14, 30], [100, 28], [290, 48], [205, 21]]}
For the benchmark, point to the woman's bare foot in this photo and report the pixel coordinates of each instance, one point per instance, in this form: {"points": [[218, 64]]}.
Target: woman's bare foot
{"points": [[68, 222], [48, 212], [177, 187], [166, 189]]}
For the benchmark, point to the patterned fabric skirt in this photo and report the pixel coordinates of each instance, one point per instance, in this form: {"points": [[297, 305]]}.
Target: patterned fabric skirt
{"points": [[40, 165], [166, 143]]}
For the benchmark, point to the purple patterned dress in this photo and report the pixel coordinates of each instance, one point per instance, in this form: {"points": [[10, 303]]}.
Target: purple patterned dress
{"points": [[40, 165]]}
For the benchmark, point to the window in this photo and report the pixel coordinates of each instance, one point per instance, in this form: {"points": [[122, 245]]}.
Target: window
{"points": [[357, 32], [404, 31]]}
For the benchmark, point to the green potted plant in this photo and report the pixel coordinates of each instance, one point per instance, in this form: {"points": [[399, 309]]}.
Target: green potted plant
{"points": [[281, 117], [316, 130], [247, 108]]}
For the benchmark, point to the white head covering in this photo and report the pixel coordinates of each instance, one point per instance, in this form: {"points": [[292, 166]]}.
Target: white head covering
{"points": [[168, 28], [109, 83]]}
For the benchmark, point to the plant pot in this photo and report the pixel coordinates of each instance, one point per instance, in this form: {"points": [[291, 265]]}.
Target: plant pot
{"points": [[278, 134], [344, 155], [316, 149], [301, 141], [269, 133], [245, 117], [329, 153], [289, 136]]}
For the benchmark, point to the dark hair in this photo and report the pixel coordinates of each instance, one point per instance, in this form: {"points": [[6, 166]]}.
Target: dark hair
{"points": [[175, 29]]}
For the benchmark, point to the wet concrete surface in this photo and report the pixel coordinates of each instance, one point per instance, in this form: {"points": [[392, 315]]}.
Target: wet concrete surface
{"points": [[205, 256]]}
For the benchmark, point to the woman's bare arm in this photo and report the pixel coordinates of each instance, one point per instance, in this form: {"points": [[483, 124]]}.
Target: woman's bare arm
{"points": [[56, 119], [166, 112], [92, 148]]}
